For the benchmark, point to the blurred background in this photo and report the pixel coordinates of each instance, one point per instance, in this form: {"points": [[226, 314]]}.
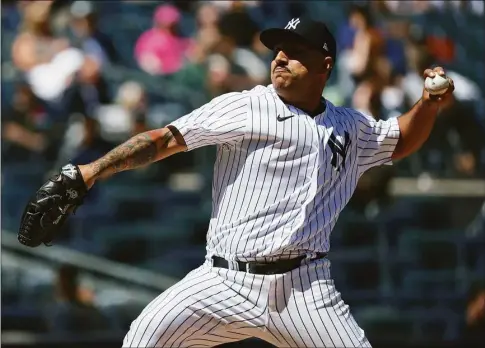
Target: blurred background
{"points": [[79, 77]]}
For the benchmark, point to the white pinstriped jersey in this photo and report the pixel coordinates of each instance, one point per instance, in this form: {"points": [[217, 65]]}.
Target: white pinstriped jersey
{"points": [[281, 177]]}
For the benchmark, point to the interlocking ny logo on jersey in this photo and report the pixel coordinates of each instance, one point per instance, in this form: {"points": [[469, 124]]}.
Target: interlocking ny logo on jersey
{"points": [[339, 149], [293, 23]]}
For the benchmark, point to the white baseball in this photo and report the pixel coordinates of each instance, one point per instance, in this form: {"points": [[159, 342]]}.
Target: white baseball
{"points": [[436, 85]]}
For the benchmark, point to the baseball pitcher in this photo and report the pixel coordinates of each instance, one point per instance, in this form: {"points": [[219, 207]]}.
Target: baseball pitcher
{"points": [[287, 163]]}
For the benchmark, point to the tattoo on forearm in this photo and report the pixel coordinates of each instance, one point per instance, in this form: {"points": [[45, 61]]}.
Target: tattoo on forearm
{"points": [[138, 151]]}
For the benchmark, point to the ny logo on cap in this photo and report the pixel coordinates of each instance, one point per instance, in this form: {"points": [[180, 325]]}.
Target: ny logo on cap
{"points": [[293, 23], [325, 46]]}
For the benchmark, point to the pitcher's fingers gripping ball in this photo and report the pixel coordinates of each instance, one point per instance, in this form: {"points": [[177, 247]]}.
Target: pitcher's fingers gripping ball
{"points": [[438, 86]]}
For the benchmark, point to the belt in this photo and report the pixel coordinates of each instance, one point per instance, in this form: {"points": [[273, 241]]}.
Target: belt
{"points": [[276, 267]]}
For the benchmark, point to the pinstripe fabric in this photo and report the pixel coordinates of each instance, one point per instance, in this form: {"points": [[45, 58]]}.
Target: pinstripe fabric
{"points": [[211, 306], [306, 310], [275, 191], [222, 121], [281, 179]]}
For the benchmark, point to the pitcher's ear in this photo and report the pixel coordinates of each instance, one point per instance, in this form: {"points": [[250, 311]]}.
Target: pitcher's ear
{"points": [[328, 62]]}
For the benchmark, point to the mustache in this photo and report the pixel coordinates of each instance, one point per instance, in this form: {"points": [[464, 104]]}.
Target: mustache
{"points": [[282, 66]]}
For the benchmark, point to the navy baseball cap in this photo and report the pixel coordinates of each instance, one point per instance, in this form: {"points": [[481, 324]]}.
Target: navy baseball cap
{"points": [[313, 33]]}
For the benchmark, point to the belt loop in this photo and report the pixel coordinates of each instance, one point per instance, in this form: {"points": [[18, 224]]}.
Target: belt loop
{"points": [[248, 269]]}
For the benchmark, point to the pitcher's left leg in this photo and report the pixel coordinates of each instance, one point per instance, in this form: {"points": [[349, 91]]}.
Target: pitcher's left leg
{"points": [[308, 311]]}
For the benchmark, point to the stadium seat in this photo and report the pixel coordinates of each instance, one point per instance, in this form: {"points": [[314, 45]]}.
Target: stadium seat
{"points": [[126, 192], [434, 323], [475, 252], [419, 245], [358, 231], [27, 319], [433, 283], [122, 315], [141, 239], [383, 321], [360, 265], [187, 258]]}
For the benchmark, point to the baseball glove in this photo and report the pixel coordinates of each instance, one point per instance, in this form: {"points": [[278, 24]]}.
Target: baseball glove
{"points": [[49, 208]]}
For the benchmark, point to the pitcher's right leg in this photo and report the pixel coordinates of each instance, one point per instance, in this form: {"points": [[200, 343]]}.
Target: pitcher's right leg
{"points": [[190, 313], [168, 315]]}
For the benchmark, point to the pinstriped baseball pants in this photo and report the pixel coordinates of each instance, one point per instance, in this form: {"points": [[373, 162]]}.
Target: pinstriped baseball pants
{"points": [[212, 306]]}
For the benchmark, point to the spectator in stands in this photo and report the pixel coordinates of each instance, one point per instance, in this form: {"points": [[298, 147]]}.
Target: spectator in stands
{"points": [[98, 51], [367, 52], [367, 97], [48, 62], [204, 39], [74, 311], [93, 89], [113, 123], [66, 78], [59, 74], [133, 100], [245, 29], [23, 128], [365, 57], [161, 50], [396, 33], [246, 33], [232, 67], [378, 91], [207, 34]]}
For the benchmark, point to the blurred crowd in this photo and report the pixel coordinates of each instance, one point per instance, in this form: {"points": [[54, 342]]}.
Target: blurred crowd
{"points": [[63, 106]]}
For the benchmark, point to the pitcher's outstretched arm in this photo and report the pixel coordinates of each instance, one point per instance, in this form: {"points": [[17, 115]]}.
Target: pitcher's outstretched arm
{"points": [[138, 151]]}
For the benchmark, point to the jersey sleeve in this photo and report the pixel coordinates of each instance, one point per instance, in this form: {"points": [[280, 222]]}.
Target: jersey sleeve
{"points": [[223, 120], [376, 141]]}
